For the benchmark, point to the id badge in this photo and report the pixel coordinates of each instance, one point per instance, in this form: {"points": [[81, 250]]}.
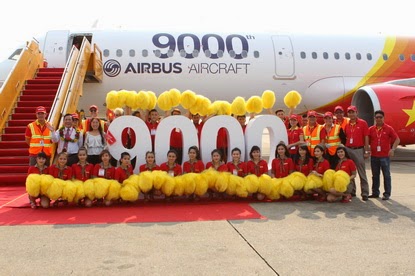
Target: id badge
{"points": [[293, 148], [235, 172], [153, 131], [378, 148], [101, 172], [171, 173], [351, 140], [42, 143]]}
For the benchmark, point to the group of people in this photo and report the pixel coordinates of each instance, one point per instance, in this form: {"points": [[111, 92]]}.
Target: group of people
{"points": [[340, 144]]}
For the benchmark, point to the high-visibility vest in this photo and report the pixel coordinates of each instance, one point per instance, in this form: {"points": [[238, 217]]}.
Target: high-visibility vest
{"points": [[344, 123], [333, 139], [40, 141], [312, 138]]}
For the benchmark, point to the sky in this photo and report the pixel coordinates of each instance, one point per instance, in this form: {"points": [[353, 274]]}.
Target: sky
{"points": [[22, 20]]}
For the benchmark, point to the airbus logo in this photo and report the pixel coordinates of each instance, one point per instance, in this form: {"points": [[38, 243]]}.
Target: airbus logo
{"points": [[112, 68]]}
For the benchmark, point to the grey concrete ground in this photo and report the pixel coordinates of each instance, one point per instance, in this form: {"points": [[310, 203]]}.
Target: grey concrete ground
{"points": [[297, 238]]}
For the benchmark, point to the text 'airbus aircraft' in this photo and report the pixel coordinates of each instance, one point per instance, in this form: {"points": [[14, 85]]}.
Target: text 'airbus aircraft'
{"points": [[370, 72]]}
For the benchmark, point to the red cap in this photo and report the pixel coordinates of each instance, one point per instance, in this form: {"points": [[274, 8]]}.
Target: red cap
{"points": [[352, 107], [40, 109], [75, 116], [328, 114], [93, 106], [338, 108], [294, 117], [311, 113]]}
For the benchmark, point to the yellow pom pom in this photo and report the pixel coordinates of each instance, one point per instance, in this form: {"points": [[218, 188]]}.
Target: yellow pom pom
{"points": [[152, 100], [69, 191], [254, 104], [341, 181], [297, 180], [158, 179], [252, 183], [179, 186], [101, 186], [163, 101], [130, 99], [55, 190], [129, 193], [286, 189], [202, 106], [201, 185], [145, 181], [265, 184], [221, 183], [223, 108], [188, 99], [112, 100], [328, 180], [114, 190], [80, 193], [268, 98], [189, 183], [238, 106], [142, 100], [89, 189], [232, 184], [292, 99], [313, 182], [175, 97], [123, 98], [168, 186], [210, 175], [275, 188], [240, 186], [133, 181], [45, 182], [33, 181]]}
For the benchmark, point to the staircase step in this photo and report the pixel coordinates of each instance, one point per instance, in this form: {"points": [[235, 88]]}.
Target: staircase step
{"points": [[34, 104], [39, 98], [14, 152], [13, 137], [14, 169], [41, 86], [19, 160], [13, 144], [17, 129], [50, 71], [22, 116], [20, 122], [13, 179], [30, 109], [43, 81], [39, 92]]}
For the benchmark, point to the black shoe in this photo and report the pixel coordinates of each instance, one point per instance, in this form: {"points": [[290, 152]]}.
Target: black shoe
{"points": [[385, 197], [365, 198], [373, 196]]}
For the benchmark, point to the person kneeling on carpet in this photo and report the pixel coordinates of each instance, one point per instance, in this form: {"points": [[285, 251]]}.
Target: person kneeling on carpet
{"points": [[39, 168]]}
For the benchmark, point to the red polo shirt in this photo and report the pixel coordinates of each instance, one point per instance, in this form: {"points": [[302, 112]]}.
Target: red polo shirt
{"points": [[144, 168], [176, 138], [282, 167], [321, 167], [196, 167], [304, 168], [346, 165], [35, 169], [176, 170], [356, 133], [239, 170], [152, 127], [294, 136], [222, 168], [84, 174], [65, 174], [257, 169], [222, 139], [108, 173], [381, 139], [121, 174]]}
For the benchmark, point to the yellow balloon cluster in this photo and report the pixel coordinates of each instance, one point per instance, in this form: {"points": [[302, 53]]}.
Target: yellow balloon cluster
{"points": [[292, 99], [142, 99], [187, 184]]}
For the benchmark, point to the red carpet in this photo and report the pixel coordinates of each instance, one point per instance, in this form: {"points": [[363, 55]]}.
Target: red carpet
{"points": [[15, 210]]}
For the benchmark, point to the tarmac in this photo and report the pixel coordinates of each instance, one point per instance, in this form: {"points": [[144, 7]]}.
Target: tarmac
{"points": [[297, 238]]}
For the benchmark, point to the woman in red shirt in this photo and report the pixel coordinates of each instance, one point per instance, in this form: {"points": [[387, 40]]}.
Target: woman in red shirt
{"points": [[194, 164], [303, 162], [150, 164], [39, 168], [171, 167], [237, 167], [104, 169], [217, 161], [320, 166], [83, 170], [256, 165], [125, 169], [282, 165], [345, 164]]}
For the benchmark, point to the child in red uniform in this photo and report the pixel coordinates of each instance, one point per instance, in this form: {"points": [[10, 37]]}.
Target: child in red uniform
{"points": [[83, 170], [345, 164], [104, 169], [217, 162], [194, 164], [256, 165], [171, 167], [303, 163], [150, 164], [61, 171], [39, 168], [125, 169], [282, 165], [237, 167], [320, 166]]}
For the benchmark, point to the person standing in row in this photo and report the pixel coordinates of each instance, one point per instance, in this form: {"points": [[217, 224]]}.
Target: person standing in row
{"points": [[312, 132], [381, 137], [40, 136], [357, 144], [332, 132], [94, 141], [70, 140]]}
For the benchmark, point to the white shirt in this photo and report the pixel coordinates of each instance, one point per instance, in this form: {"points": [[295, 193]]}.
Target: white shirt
{"points": [[72, 147]]}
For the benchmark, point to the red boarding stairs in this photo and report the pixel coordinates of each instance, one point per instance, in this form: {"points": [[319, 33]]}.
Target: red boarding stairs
{"points": [[14, 154]]}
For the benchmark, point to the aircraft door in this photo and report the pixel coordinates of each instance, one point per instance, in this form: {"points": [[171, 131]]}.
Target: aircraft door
{"points": [[55, 48], [284, 57]]}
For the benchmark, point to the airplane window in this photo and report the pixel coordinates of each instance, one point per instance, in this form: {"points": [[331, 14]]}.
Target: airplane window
{"points": [[402, 57], [208, 53], [144, 53], [157, 53], [336, 55], [303, 55], [244, 54], [325, 55], [385, 56], [358, 56], [106, 53], [314, 55], [182, 53], [118, 53], [16, 54], [220, 53], [347, 56], [256, 54], [132, 53], [170, 53], [195, 53], [369, 56], [232, 53], [412, 57]]}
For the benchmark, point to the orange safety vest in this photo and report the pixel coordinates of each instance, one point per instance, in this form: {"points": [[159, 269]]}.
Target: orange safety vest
{"points": [[312, 138], [333, 139], [40, 141], [344, 123]]}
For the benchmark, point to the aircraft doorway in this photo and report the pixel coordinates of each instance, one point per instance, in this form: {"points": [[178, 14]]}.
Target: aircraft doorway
{"points": [[284, 57]]}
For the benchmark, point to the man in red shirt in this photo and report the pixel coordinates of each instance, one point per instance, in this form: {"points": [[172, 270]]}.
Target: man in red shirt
{"points": [[381, 137], [152, 124], [357, 144], [176, 139]]}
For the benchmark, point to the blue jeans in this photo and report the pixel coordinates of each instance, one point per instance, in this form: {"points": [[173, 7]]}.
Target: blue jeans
{"points": [[377, 164]]}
